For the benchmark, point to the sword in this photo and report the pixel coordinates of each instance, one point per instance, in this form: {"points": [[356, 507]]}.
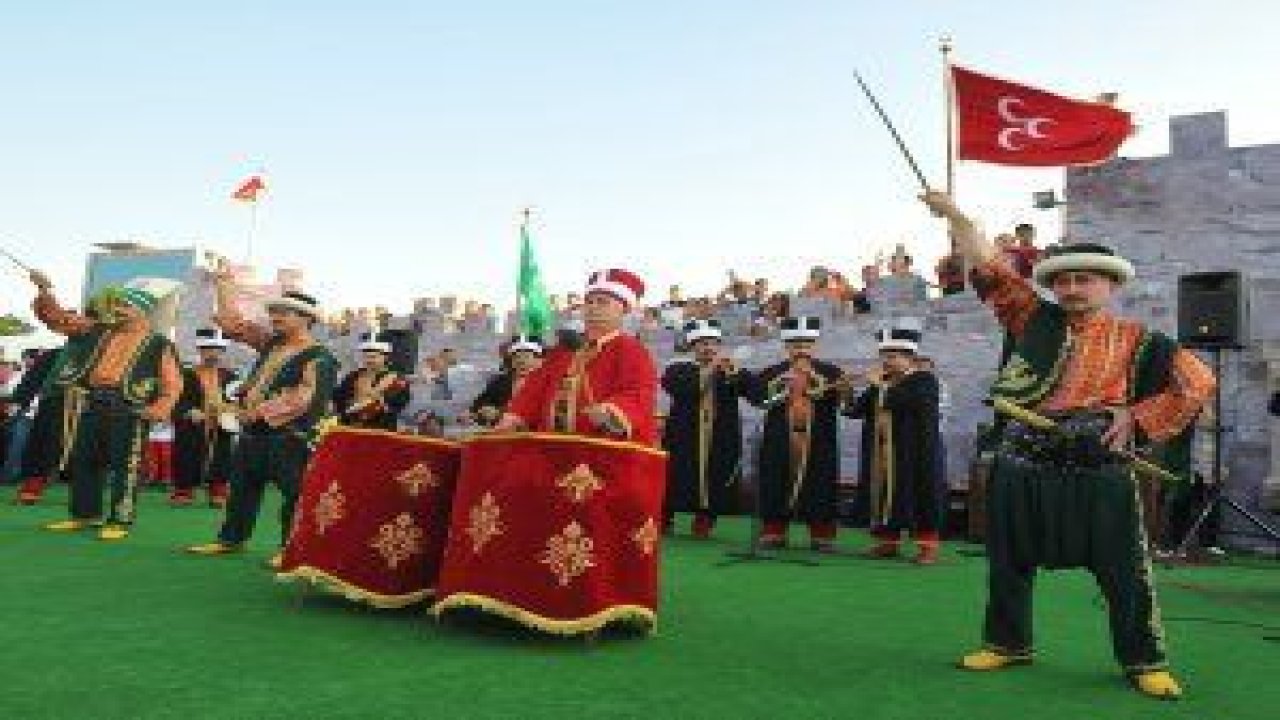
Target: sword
{"points": [[1017, 412], [911, 160], [16, 261]]}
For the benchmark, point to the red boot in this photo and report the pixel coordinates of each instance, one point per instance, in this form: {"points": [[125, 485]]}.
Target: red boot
{"points": [[31, 491], [181, 497], [218, 495], [928, 553], [702, 526], [773, 535]]}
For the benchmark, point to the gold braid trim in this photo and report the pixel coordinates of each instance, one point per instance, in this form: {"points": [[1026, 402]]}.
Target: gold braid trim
{"points": [[563, 437], [73, 401], [619, 417], [413, 439], [329, 583], [629, 614]]}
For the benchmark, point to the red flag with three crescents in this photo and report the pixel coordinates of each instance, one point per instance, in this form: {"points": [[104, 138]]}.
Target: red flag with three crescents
{"points": [[1010, 124]]}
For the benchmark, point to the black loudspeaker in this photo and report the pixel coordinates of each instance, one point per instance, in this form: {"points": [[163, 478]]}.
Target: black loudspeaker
{"points": [[404, 350], [1212, 310]]}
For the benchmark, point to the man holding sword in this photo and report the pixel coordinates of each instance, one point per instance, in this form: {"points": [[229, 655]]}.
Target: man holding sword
{"points": [[1067, 497]]}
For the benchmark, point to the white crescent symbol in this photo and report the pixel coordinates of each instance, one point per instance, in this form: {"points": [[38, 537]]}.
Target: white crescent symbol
{"points": [[1032, 127]]}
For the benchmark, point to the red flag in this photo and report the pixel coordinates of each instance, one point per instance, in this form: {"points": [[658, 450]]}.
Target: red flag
{"points": [[249, 189], [1009, 124]]}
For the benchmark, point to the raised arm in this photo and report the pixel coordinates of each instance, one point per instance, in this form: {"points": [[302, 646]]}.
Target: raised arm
{"points": [[49, 312], [1010, 296], [227, 314]]}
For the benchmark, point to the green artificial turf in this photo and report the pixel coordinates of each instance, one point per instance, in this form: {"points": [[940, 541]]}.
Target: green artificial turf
{"points": [[139, 630]]}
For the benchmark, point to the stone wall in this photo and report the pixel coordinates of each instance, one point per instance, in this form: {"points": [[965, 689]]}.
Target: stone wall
{"points": [[1205, 206]]}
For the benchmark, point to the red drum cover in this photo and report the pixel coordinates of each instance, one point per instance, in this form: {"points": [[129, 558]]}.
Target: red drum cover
{"points": [[558, 532], [372, 516]]}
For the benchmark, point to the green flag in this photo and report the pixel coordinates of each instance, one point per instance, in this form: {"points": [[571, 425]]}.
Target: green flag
{"points": [[536, 316]]}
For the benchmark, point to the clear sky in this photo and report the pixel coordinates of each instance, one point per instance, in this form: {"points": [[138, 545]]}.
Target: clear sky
{"points": [[681, 138]]}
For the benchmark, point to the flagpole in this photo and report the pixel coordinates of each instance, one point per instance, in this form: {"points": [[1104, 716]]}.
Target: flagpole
{"points": [[253, 230], [945, 47]]}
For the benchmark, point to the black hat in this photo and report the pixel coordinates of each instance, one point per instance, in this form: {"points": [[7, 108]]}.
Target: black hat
{"points": [[803, 327], [210, 338], [371, 342]]}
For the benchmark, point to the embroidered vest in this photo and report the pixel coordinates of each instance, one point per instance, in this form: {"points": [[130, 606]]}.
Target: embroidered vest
{"points": [[139, 383]]}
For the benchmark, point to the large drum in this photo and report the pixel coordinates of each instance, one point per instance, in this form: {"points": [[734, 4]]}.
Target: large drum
{"points": [[372, 517], [558, 532]]}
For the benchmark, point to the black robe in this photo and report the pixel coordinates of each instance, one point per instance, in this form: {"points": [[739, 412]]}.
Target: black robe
{"points": [[814, 500], [496, 394], [912, 493], [688, 488], [201, 449], [43, 451], [394, 400]]}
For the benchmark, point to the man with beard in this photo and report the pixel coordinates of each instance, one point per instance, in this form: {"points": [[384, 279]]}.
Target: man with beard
{"points": [[703, 431], [1063, 500], [799, 454], [374, 395], [281, 402], [201, 438], [899, 447], [117, 376]]}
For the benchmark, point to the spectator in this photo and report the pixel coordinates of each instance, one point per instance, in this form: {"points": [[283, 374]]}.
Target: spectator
{"points": [[950, 273], [761, 292], [903, 285], [821, 286], [771, 313], [1025, 248]]}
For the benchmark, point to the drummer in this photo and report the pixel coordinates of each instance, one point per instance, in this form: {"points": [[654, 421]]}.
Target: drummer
{"points": [[202, 441], [520, 357], [607, 387]]}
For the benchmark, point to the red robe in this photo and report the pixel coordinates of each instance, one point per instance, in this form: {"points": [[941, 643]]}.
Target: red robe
{"points": [[619, 376]]}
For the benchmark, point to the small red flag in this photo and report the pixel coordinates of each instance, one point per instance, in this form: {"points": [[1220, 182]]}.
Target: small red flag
{"points": [[1009, 124], [249, 189]]}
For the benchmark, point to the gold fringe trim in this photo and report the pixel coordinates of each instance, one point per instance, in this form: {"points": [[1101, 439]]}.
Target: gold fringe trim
{"points": [[329, 583], [564, 437], [404, 437], [633, 614]]}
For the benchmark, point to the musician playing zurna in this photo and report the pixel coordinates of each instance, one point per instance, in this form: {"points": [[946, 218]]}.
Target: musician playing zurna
{"points": [[202, 431], [703, 431], [373, 395], [799, 463], [1065, 500], [899, 411]]}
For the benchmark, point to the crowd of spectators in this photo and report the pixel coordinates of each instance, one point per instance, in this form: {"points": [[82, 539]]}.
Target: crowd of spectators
{"points": [[753, 306]]}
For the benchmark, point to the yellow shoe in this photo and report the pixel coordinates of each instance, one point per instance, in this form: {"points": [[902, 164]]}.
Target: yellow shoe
{"points": [[70, 525], [985, 660], [113, 532], [276, 562], [1158, 684], [215, 548]]}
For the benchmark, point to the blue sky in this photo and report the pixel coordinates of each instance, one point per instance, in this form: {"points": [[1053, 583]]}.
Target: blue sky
{"points": [[678, 138]]}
